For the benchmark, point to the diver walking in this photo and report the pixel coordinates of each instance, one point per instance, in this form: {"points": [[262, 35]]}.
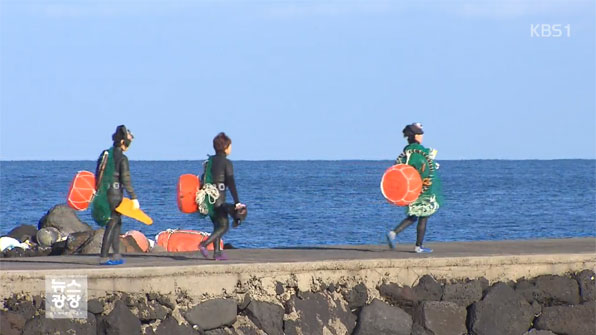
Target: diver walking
{"points": [[219, 172], [429, 201], [113, 176]]}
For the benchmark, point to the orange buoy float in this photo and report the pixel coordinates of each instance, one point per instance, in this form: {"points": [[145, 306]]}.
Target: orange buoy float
{"points": [[140, 238], [401, 184], [188, 185], [183, 240], [82, 190]]}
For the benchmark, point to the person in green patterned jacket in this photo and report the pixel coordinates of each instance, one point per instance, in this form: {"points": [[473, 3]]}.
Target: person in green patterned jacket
{"points": [[430, 199]]}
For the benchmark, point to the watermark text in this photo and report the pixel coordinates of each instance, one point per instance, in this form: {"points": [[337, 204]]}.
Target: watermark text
{"points": [[546, 30], [66, 297]]}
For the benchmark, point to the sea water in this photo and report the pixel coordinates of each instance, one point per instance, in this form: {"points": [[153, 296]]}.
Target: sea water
{"points": [[305, 203]]}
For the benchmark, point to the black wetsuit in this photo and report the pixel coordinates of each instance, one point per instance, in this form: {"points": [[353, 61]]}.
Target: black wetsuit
{"points": [[222, 175], [111, 237], [420, 230]]}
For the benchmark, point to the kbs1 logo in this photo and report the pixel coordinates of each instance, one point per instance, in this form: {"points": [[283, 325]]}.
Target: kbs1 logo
{"points": [[546, 30]]}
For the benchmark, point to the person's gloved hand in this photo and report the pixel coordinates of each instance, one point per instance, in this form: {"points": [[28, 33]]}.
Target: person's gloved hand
{"points": [[239, 214], [135, 204]]}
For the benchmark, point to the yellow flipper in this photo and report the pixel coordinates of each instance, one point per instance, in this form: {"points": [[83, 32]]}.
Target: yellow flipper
{"points": [[126, 209]]}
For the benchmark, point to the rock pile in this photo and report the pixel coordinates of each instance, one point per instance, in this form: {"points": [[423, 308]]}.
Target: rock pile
{"points": [[61, 232]]}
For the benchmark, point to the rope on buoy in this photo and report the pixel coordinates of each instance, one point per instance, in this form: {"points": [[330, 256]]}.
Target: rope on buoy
{"points": [[208, 193]]}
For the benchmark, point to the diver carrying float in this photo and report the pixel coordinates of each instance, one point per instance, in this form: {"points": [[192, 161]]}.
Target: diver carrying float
{"points": [[413, 182], [207, 195], [104, 190]]}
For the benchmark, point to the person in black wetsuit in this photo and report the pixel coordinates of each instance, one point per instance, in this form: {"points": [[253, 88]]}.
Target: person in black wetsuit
{"points": [[222, 176], [122, 139]]}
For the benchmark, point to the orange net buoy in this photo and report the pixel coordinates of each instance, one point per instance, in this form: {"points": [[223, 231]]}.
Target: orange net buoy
{"points": [[183, 240], [81, 190], [140, 238], [401, 184], [188, 185]]}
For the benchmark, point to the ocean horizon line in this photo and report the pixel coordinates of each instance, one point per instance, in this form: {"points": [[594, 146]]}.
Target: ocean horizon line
{"points": [[299, 160]]}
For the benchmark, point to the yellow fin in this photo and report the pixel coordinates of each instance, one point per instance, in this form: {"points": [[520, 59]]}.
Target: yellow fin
{"points": [[125, 208]]}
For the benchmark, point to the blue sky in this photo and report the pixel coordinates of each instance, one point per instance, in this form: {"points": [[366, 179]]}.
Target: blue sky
{"points": [[296, 79]]}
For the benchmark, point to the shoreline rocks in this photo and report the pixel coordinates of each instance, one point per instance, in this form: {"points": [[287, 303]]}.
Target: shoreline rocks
{"points": [[64, 219], [542, 305], [61, 232]]}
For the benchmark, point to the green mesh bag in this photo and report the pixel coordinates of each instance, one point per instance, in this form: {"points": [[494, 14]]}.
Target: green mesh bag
{"points": [[104, 176], [207, 180]]}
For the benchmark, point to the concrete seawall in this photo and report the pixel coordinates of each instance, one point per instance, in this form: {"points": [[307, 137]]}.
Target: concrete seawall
{"points": [[305, 267], [277, 276]]}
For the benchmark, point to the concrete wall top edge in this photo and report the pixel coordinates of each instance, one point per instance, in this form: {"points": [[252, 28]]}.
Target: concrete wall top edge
{"points": [[301, 267]]}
